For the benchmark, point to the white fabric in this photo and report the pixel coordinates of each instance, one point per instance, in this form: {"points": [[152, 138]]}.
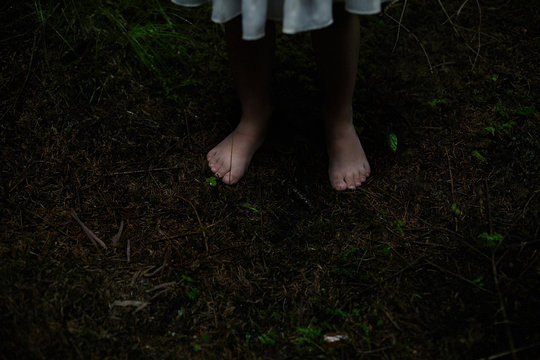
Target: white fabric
{"points": [[296, 15]]}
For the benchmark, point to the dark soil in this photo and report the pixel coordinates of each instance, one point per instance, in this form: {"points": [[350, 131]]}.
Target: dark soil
{"points": [[435, 257]]}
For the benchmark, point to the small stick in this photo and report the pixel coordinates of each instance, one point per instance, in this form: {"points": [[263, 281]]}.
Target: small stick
{"points": [[452, 187], [159, 293], [160, 286], [399, 25], [118, 234], [415, 38], [503, 308], [488, 205], [125, 303], [147, 274], [457, 275], [128, 249], [200, 223], [87, 231], [140, 171]]}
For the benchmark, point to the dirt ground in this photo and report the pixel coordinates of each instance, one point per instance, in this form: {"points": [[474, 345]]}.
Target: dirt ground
{"points": [[435, 257]]}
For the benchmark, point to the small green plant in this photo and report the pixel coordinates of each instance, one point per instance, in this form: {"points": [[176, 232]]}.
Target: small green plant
{"points": [[211, 181], [393, 142], [307, 336], [494, 77], [399, 227], [525, 110], [246, 341], [366, 331], [479, 281], [386, 250], [191, 291], [508, 125], [491, 240], [490, 129], [455, 209], [478, 156], [500, 108], [267, 339], [494, 128], [349, 252], [196, 347], [338, 312], [434, 102]]}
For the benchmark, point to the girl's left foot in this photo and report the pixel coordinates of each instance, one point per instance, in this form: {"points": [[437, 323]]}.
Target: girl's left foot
{"points": [[348, 167]]}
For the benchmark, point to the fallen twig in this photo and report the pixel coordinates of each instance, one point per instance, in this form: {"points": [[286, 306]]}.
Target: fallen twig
{"points": [[125, 303], [160, 286], [509, 334], [130, 172], [128, 250], [116, 237], [200, 222], [457, 275], [414, 37], [95, 240]]}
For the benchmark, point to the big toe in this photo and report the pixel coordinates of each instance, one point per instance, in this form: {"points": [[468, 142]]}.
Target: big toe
{"points": [[338, 183]]}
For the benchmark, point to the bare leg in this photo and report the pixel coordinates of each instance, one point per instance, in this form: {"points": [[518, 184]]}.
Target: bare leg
{"points": [[337, 48], [251, 66]]}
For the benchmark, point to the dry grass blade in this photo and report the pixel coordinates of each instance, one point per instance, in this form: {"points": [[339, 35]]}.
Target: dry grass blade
{"points": [[160, 286], [147, 273], [125, 303], [135, 303], [87, 231], [118, 234], [128, 250]]}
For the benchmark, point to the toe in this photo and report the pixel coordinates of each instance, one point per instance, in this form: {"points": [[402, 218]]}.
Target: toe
{"points": [[338, 183], [349, 179], [358, 180], [366, 170], [211, 154]]}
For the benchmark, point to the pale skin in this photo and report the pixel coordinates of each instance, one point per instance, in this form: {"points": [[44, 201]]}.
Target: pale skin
{"points": [[337, 49]]}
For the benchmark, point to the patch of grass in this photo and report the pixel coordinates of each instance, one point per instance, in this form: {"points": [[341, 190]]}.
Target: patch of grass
{"points": [[307, 337]]}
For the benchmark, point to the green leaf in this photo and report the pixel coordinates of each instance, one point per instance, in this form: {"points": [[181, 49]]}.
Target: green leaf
{"points": [[478, 156], [492, 240], [211, 181], [508, 125], [490, 129], [455, 209], [250, 208], [392, 141], [434, 102], [192, 292]]}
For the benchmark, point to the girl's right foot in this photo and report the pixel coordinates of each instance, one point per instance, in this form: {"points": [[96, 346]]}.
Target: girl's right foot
{"points": [[230, 159]]}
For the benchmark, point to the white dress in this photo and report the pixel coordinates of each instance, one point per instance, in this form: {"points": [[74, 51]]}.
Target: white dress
{"points": [[296, 15]]}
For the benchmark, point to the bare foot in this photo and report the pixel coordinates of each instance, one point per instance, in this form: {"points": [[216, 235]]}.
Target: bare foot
{"points": [[229, 160], [348, 167]]}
